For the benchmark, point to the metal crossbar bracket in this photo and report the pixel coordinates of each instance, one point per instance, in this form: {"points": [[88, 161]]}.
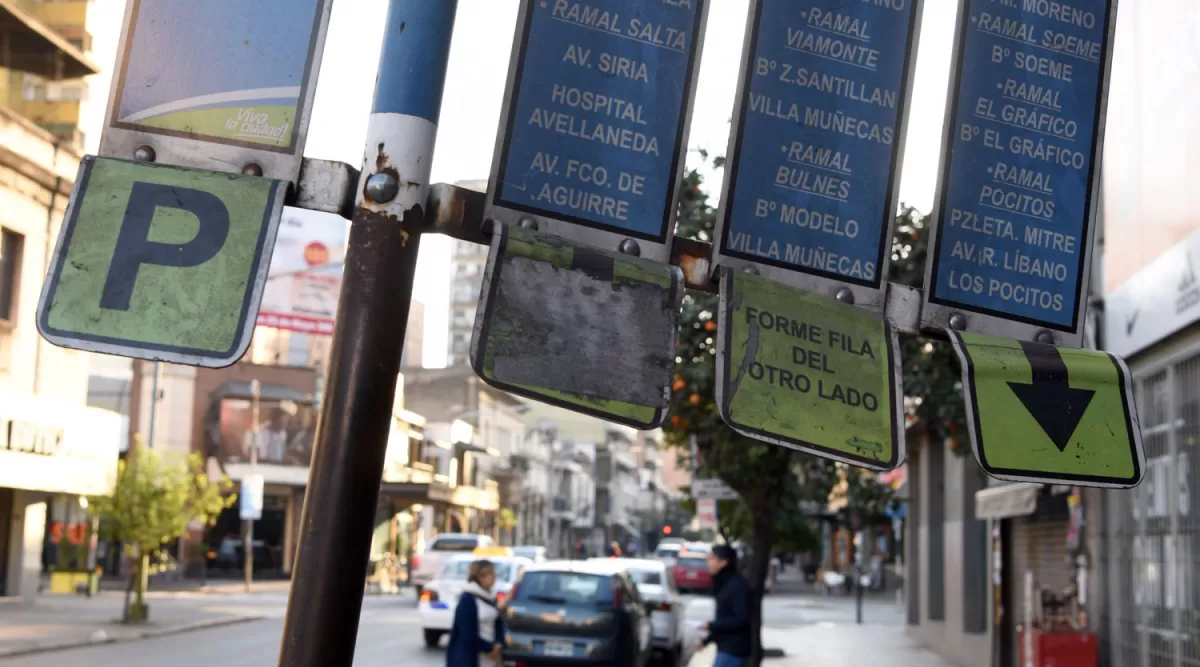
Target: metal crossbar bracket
{"points": [[459, 213]]}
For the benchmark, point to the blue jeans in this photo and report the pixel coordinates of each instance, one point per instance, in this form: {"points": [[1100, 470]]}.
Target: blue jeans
{"points": [[726, 660]]}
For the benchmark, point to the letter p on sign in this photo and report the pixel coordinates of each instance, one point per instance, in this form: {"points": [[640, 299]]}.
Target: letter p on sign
{"points": [[160, 262]]}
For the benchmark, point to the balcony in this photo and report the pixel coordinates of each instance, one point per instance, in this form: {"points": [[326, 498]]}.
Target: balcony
{"points": [[35, 48]]}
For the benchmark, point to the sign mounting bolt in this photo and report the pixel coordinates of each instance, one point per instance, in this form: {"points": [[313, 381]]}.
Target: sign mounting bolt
{"points": [[382, 187], [144, 154], [630, 247], [958, 322], [1044, 337], [845, 296], [528, 223]]}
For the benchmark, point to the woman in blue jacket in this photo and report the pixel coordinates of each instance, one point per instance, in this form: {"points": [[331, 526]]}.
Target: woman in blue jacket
{"points": [[477, 636]]}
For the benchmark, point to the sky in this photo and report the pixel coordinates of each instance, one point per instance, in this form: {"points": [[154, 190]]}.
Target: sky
{"points": [[483, 36]]}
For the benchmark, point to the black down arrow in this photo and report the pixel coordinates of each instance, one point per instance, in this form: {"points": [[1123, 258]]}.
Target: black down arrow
{"points": [[1051, 401]]}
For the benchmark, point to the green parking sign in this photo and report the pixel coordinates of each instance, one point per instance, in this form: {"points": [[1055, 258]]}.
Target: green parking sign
{"points": [[160, 262], [801, 371]]}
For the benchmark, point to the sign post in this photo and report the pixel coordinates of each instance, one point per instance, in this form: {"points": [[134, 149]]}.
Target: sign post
{"points": [[1011, 247], [368, 337], [812, 185]]}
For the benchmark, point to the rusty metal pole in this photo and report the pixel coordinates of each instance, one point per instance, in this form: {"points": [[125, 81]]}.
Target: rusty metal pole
{"points": [[356, 413]]}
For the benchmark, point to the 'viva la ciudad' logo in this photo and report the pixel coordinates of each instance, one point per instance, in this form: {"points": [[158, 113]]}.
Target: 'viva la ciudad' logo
{"points": [[249, 122]]}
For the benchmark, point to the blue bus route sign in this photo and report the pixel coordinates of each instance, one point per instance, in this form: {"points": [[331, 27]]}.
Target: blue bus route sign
{"points": [[816, 149], [594, 129], [1021, 166]]}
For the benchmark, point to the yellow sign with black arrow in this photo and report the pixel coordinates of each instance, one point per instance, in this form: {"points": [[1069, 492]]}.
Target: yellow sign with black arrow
{"points": [[1039, 413]]}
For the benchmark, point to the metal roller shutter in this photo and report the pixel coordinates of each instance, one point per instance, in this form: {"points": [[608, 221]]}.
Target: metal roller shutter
{"points": [[1039, 545]]}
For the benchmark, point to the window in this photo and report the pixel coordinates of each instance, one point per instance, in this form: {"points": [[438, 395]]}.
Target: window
{"points": [[455, 544], [457, 570], [646, 577], [565, 588], [10, 265]]}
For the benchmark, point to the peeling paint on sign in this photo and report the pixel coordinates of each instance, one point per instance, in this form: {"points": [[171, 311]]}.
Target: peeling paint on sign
{"points": [[589, 330], [797, 370]]}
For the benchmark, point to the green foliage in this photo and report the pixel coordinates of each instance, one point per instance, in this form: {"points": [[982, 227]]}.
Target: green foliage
{"points": [[156, 498], [154, 501]]}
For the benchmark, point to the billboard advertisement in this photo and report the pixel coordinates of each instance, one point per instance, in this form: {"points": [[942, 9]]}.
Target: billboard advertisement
{"points": [[306, 273], [239, 76], [286, 431]]}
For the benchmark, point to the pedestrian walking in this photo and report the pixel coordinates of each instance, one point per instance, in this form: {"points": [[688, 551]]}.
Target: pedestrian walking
{"points": [[730, 627], [477, 635]]}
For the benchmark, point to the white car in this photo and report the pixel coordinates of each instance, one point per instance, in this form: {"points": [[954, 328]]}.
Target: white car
{"points": [[656, 586], [535, 554], [428, 564], [668, 553], [440, 596]]}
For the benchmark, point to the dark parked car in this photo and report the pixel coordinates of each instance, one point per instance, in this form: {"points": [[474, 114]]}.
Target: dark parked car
{"points": [[563, 613]]}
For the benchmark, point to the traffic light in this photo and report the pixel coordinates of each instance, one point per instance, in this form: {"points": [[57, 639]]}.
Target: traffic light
{"points": [[666, 530]]}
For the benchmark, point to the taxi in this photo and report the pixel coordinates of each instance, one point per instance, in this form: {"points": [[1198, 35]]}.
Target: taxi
{"points": [[492, 552], [440, 596]]}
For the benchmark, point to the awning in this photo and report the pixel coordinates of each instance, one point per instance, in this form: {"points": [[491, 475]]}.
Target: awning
{"points": [[35, 48], [1007, 501]]}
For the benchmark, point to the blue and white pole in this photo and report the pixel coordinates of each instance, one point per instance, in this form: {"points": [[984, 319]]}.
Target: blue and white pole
{"points": [[356, 410], [408, 99]]}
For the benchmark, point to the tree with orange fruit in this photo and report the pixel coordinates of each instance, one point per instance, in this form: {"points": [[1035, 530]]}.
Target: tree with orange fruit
{"points": [[775, 482]]}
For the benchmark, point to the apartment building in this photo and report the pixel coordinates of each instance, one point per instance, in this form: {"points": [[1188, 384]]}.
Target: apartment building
{"points": [[54, 448]]}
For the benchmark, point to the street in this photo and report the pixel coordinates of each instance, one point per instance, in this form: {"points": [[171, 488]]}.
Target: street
{"points": [[389, 632]]}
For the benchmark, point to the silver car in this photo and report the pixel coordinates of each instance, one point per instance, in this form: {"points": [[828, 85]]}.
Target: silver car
{"points": [[656, 585]]}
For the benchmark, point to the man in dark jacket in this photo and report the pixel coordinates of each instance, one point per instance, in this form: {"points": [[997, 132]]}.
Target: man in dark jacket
{"points": [[730, 628]]}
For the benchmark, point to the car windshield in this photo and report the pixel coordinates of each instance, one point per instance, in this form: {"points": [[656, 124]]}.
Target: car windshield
{"points": [[646, 577], [457, 570], [670, 552], [692, 561], [526, 552], [565, 588], [454, 544]]}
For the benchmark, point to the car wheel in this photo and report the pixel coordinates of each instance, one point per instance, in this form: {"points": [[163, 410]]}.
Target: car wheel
{"points": [[432, 637]]}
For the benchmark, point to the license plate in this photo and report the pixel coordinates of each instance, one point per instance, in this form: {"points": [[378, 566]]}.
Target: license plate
{"points": [[660, 623], [558, 649], [691, 575]]}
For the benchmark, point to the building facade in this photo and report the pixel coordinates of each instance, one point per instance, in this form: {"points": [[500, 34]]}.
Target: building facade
{"points": [[1150, 555], [54, 448]]}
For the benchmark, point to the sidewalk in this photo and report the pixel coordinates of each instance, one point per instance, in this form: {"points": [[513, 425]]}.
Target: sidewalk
{"points": [[61, 622], [827, 644]]}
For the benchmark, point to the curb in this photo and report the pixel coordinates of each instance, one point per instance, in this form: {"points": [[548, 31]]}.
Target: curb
{"points": [[102, 637]]}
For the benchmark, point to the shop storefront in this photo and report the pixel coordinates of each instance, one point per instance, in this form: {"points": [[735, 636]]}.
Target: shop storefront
{"points": [[52, 455], [281, 424], [1040, 569], [1152, 533]]}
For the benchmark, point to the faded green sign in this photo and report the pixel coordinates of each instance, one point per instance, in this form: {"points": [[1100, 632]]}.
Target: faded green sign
{"points": [[160, 262], [588, 330], [810, 373], [1045, 414]]}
